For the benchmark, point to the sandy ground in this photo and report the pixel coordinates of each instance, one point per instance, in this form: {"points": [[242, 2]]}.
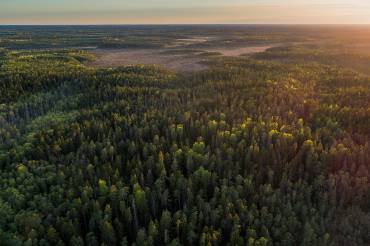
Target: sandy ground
{"points": [[177, 62], [241, 50], [124, 57]]}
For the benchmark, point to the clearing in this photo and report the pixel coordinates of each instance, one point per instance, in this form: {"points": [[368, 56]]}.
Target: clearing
{"points": [[178, 60]]}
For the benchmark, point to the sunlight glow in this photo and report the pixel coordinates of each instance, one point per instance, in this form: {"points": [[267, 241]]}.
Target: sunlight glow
{"points": [[182, 12]]}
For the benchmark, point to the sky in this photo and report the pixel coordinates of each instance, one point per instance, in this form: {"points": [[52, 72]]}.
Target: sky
{"points": [[184, 12]]}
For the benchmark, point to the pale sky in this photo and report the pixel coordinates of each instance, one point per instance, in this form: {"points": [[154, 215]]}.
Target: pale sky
{"points": [[184, 11]]}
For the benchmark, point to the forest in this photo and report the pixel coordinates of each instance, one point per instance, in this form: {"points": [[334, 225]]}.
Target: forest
{"points": [[261, 149]]}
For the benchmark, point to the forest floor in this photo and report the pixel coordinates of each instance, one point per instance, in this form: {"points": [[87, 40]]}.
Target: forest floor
{"points": [[182, 61]]}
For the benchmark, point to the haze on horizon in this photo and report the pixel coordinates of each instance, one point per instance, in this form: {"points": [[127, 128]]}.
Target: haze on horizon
{"points": [[185, 12]]}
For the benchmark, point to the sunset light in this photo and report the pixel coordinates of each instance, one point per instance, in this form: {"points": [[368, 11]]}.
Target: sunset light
{"points": [[181, 123], [185, 12]]}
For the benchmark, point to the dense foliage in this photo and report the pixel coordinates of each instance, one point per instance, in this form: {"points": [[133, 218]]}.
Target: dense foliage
{"points": [[249, 152]]}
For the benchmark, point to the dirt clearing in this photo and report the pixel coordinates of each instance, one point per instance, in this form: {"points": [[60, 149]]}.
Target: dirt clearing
{"points": [[179, 61], [125, 57], [240, 51]]}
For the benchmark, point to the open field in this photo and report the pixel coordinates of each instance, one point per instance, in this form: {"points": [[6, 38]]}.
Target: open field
{"points": [[237, 51], [126, 57], [182, 61]]}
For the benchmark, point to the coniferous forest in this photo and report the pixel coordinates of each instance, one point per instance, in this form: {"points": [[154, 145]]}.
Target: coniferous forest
{"points": [[270, 148]]}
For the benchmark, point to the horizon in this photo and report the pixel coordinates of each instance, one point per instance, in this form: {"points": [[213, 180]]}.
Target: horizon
{"points": [[199, 24]]}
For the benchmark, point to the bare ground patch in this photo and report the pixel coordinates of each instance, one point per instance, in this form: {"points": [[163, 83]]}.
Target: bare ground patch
{"points": [[172, 59], [126, 57], [241, 50]]}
